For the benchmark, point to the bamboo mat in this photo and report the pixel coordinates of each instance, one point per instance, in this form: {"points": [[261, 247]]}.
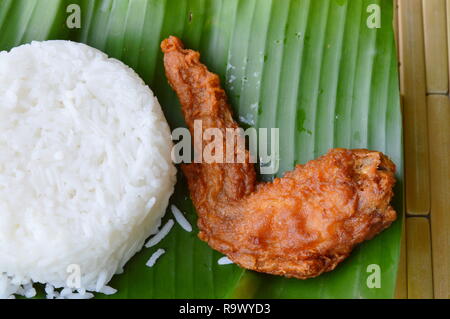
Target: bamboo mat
{"points": [[423, 34]]}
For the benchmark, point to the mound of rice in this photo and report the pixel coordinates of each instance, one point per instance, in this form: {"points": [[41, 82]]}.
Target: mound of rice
{"points": [[85, 167]]}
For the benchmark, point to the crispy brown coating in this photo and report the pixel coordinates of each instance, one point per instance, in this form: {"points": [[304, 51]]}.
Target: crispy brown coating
{"points": [[300, 225]]}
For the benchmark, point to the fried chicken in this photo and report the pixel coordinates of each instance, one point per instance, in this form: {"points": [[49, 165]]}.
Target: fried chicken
{"points": [[300, 225]]}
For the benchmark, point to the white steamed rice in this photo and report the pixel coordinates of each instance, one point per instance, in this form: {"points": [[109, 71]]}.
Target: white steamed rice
{"points": [[154, 257], [160, 235], [85, 167], [181, 220], [224, 261]]}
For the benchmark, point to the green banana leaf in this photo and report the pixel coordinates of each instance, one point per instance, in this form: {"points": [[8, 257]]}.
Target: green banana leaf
{"points": [[312, 68]]}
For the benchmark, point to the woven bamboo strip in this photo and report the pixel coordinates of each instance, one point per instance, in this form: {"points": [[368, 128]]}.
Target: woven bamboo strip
{"points": [[418, 256], [439, 133], [436, 61], [412, 69]]}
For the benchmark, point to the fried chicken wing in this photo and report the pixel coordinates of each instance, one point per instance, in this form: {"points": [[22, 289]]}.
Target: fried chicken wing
{"points": [[300, 225]]}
